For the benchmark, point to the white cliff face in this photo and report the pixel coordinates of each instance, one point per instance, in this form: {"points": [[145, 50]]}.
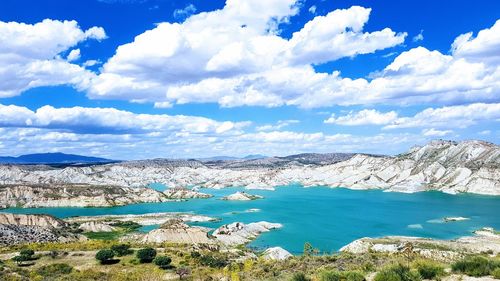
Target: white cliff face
{"points": [[32, 220], [176, 231], [238, 233], [184, 193], [241, 196], [94, 226], [276, 253], [469, 166], [75, 196]]}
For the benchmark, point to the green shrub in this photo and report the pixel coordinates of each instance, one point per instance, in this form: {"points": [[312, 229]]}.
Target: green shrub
{"points": [[163, 262], [496, 273], [121, 250], [213, 262], [397, 273], [342, 276], [146, 255], [54, 270], [104, 256], [127, 226], [476, 266], [429, 269], [299, 277], [27, 252]]}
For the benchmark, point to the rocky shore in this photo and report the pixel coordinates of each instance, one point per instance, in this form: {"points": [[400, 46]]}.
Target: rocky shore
{"points": [[241, 196], [485, 240]]}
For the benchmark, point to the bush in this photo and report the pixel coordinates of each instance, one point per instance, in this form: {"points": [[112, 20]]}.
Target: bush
{"points": [[105, 256], [212, 261], [54, 270], [146, 255], [27, 252], [299, 277], [496, 273], [476, 266], [397, 273], [429, 270], [163, 262], [342, 276], [121, 250]]}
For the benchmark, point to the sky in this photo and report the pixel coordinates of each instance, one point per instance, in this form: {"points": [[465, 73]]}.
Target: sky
{"points": [[136, 79]]}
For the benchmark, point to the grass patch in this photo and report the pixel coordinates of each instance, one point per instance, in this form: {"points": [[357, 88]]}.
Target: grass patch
{"points": [[113, 235]]}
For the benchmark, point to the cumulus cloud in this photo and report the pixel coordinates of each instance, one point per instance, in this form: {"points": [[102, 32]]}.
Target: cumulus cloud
{"points": [[111, 120], [312, 9], [30, 55], [363, 117], [460, 116], [73, 55], [232, 56]]}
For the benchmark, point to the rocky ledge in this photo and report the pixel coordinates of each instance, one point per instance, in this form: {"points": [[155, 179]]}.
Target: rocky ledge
{"points": [[241, 196], [176, 231], [486, 240], [21, 229], [276, 253], [75, 195], [238, 233], [142, 219], [185, 193]]}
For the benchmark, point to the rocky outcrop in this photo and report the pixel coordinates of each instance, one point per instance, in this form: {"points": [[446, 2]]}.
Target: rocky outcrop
{"points": [[241, 196], [75, 195], [184, 193], [276, 253], [20, 229], [93, 226], [484, 240], [143, 219], [46, 221], [238, 233], [452, 167], [176, 231]]}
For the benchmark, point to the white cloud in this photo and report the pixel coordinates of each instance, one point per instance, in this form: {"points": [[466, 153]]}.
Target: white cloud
{"points": [[235, 51], [312, 9], [278, 126], [363, 117], [110, 120], [30, 55], [483, 48], [419, 37], [184, 12], [485, 132], [460, 116], [435, 133], [73, 55]]}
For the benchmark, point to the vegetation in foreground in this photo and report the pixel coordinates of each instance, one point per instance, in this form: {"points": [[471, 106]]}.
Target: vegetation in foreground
{"points": [[111, 260]]}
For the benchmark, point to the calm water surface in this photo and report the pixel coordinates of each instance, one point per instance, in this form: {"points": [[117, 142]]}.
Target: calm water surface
{"points": [[328, 218]]}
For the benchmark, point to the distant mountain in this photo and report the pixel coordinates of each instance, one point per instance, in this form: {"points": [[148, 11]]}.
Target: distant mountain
{"points": [[254, 156], [52, 158]]}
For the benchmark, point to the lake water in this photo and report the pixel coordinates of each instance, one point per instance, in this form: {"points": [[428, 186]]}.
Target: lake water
{"points": [[328, 218]]}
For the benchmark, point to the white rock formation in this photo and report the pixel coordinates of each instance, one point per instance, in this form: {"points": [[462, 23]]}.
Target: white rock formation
{"points": [[484, 240], [176, 231], [32, 220], [452, 219], [241, 196], [468, 166], [276, 253], [184, 193], [143, 219], [93, 226], [238, 233]]}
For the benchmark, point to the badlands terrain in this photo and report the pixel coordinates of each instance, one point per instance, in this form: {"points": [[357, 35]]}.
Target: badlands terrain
{"points": [[452, 167]]}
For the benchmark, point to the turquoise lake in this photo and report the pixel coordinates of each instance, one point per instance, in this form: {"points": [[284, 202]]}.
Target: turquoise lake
{"points": [[328, 218]]}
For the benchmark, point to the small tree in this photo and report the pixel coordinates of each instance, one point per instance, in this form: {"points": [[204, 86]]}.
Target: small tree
{"points": [[146, 255], [182, 272], [27, 252], [24, 255], [121, 250], [105, 256], [163, 262]]}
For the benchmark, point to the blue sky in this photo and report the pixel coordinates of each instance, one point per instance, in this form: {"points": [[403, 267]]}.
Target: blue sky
{"points": [[131, 79]]}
